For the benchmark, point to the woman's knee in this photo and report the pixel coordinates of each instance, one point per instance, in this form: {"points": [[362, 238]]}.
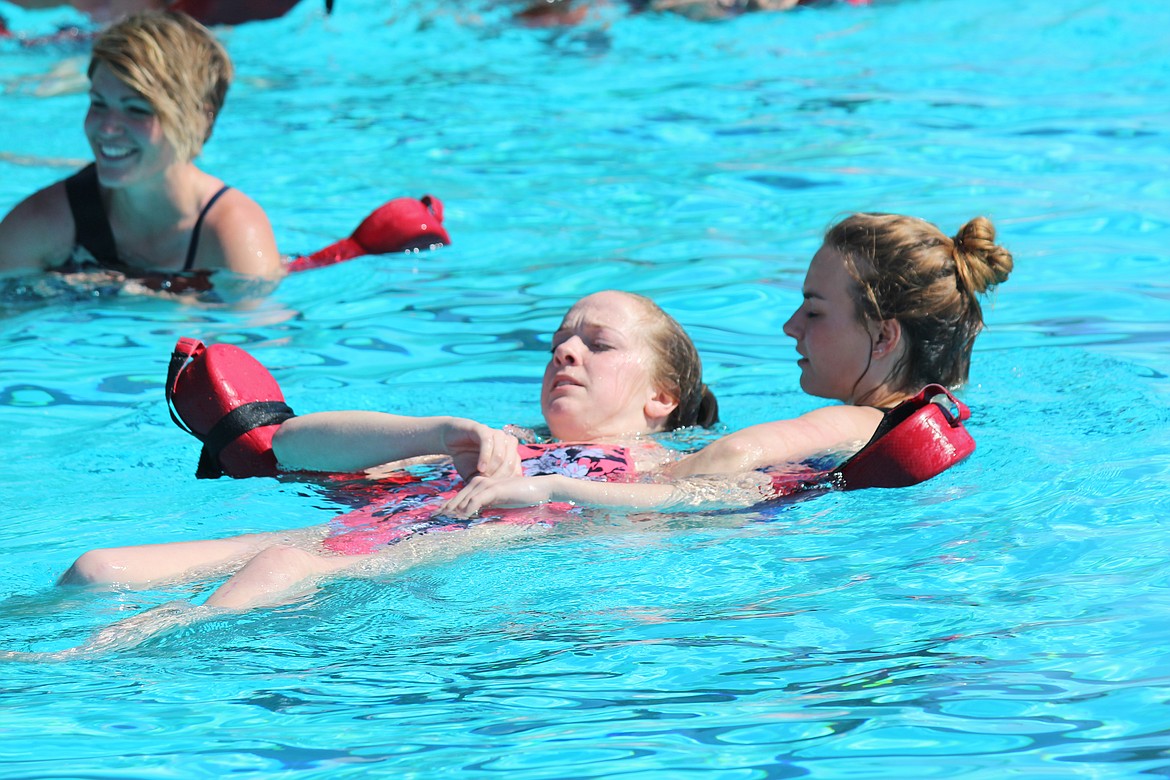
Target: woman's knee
{"points": [[284, 558], [273, 571], [95, 567]]}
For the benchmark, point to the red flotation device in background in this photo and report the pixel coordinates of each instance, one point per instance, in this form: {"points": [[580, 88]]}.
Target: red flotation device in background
{"points": [[211, 12], [222, 396], [208, 12], [400, 225]]}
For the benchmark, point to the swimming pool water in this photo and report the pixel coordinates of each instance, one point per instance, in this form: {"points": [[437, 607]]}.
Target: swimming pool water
{"points": [[1008, 618]]}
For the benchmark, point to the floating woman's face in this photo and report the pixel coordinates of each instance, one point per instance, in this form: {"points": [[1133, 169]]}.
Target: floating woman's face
{"points": [[598, 382]]}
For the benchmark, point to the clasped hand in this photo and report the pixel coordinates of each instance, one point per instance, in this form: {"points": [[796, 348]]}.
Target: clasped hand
{"points": [[501, 491], [478, 450]]}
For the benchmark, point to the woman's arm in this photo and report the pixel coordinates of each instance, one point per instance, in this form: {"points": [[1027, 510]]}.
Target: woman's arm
{"points": [[237, 244], [728, 491], [724, 474], [358, 440], [782, 441]]}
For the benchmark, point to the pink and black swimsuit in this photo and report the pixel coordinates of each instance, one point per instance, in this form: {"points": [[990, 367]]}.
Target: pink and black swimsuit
{"points": [[406, 504]]}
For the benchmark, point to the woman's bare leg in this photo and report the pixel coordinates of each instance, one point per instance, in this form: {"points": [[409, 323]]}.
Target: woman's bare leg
{"points": [[274, 574], [150, 563], [281, 571], [269, 577]]}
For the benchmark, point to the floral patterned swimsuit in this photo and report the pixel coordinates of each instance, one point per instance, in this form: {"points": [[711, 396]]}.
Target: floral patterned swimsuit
{"points": [[406, 503]]}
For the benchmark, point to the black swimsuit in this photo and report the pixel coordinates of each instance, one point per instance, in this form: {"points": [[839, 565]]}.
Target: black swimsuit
{"points": [[94, 240]]}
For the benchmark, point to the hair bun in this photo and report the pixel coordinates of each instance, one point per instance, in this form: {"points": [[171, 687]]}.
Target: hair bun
{"points": [[981, 263], [708, 413]]}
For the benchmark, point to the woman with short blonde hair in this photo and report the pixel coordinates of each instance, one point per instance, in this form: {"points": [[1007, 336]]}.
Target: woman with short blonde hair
{"points": [[143, 210]]}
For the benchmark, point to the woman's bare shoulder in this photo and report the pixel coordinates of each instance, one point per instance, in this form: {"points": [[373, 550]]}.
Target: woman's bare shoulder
{"points": [[237, 236], [39, 232]]}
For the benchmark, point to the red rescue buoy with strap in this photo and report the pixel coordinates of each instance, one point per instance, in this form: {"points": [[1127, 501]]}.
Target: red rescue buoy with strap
{"points": [[229, 401], [918, 439], [224, 397]]}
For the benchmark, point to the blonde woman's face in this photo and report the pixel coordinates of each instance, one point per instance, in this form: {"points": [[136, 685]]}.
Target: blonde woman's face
{"points": [[125, 133], [598, 381]]}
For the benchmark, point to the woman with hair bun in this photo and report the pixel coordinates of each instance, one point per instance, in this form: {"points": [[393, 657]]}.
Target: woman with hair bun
{"points": [[907, 273], [891, 304]]}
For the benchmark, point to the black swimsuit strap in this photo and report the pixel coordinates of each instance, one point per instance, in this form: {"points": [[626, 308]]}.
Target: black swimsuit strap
{"points": [[194, 245], [91, 224]]}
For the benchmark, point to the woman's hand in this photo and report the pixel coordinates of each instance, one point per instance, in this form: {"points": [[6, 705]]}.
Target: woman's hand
{"points": [[502, 492], [479, 450]]}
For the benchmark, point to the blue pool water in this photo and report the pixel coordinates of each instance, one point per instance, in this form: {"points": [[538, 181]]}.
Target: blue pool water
{"points": [[1007, 619]]}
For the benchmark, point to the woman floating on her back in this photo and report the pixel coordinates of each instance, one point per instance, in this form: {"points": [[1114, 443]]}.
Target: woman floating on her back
{"points": [[620, 369]]}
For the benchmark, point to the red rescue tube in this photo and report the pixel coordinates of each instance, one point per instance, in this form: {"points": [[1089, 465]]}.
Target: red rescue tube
{"points": [[400, 225], [229, 401], [918, 439], [225, 398]]}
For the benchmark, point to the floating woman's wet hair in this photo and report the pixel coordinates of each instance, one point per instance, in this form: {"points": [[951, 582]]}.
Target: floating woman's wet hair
{"points": [[677, 368], [907, 269]]}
